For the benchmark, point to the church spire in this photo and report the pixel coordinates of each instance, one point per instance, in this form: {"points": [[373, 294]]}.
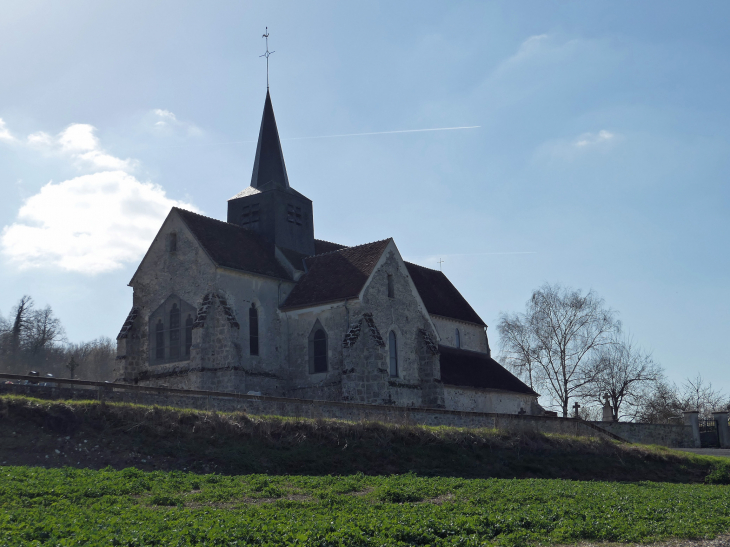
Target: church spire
{"points": [[268, 167]]}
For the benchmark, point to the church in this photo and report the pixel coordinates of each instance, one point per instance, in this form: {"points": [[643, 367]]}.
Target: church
{"points": [[258, 305]]}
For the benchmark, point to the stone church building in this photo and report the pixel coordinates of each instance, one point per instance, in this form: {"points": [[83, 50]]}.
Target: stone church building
{"points": [[257, 304]]}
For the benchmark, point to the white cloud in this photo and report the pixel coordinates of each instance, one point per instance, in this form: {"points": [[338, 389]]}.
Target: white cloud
{"points": [[594, 139], [40, 139], [166, 122], [90, 224], [585, 145], [79, 143], [5, 132]]}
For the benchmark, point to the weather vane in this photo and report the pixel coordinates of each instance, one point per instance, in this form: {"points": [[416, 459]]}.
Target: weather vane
{"points": [[267, 56]]}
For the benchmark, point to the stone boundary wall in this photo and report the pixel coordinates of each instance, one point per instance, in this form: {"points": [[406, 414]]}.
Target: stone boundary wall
{"points": [[301, 408], [672, 435]]}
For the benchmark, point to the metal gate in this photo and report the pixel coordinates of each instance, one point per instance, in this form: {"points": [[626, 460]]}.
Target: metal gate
{"points": [[708, 434]]}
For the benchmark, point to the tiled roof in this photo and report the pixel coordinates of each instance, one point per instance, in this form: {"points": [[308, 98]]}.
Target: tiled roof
{"points": [[295, 258], [232, 246], [321, 246], [461, 367], [335, 275], [439, 296]]}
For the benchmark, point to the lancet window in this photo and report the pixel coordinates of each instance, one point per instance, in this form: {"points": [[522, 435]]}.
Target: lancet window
{"points": [[171, 331], [253, 330], [393, 347], [318, 349]]}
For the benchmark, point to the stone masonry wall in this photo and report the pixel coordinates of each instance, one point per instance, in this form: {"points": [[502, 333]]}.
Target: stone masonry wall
{"points": [[479, 400], [473, 337], [298, 326], [273, 406]]}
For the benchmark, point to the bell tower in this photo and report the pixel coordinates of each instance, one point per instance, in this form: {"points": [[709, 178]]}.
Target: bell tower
{"points": [[269, 205]]}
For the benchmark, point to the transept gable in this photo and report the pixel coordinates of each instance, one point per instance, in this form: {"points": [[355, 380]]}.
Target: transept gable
{"points": [[172, 237], [392, 250], [336, 275]]}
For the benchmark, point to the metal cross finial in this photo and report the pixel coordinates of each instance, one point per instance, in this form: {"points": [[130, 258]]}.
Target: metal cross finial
{"points": [[440, 261], [266, 35]]}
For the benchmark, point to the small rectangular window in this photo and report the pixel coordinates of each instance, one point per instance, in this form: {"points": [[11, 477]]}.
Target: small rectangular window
{"points": [[255, 212], [299, 216], [172, 242], [245, 215], [391, 290], [290, 213]]}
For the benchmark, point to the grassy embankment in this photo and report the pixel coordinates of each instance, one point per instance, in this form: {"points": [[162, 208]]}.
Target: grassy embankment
{"points": [[88, 434]]}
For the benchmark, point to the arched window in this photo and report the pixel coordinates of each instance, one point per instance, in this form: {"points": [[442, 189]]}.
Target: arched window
{"points": [[174, 332], [159, 340], [320, 351], [253, 330], [188, 334], [170, 339], [393, 345], [457, 338]]}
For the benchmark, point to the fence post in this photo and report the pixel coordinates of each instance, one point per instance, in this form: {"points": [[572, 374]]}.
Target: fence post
{"points": [[691, 418], [723, 430]]}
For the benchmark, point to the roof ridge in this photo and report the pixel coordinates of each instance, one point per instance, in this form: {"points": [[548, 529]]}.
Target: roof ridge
{"points": [[330, 242], [203, 216], [424, 267], [347, 248]]}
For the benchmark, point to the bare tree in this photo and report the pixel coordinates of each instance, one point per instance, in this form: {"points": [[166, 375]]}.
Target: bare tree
{"points": [[660, 405], [696, 394], [557, 336], [666, 402], [96, 358], [517, 351], [625, 373], [43, 331], [14, 332]]}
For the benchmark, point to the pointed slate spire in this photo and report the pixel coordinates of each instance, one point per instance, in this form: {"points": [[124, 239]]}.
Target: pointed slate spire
{"points": [[268, 167]]}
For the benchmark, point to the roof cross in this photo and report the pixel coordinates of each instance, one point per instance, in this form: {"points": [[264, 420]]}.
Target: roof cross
{"points": [[440, 261], [266, 35]]}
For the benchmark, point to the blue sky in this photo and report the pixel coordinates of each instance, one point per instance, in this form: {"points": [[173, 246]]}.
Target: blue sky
{"points": [[601, 158]]}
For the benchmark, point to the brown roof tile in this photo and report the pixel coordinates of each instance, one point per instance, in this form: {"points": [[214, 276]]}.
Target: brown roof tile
{"points": [[335, 275], [234, 247], [321, 246], [460, 367], [439, 295]]}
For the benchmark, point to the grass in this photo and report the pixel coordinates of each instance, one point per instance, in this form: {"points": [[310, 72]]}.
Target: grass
{"points": [[65, 506], [88, 434]]}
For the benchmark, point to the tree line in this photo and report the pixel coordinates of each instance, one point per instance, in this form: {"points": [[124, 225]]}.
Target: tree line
{"points": [[33, 339], [572, 348]]}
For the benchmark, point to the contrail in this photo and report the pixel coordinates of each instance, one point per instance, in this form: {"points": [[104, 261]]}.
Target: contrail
{"points": [[477, 254], [384, 132], [333, 136]]}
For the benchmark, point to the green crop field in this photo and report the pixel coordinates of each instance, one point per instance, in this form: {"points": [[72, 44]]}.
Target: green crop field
{"points": [[135, 508]]}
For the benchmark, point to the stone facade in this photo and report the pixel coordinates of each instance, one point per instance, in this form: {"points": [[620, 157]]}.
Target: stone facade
{"points": [[472, 337]]}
